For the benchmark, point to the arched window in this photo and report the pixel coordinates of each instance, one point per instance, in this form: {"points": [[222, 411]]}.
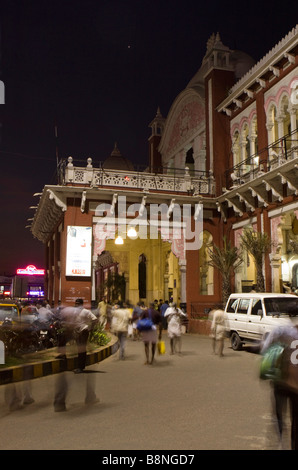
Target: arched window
{"points": [[189, 160]]}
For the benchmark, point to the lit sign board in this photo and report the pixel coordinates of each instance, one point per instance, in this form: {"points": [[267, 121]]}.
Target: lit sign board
{"points": [[78, 252], [31, 271]]}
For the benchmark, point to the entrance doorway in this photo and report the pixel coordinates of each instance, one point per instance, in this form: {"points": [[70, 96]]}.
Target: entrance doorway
{"points": [[149, 268]]}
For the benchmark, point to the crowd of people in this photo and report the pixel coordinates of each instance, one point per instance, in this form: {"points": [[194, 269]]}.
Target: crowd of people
{"points": [[147, 323], [121, 318], [126, 321]]}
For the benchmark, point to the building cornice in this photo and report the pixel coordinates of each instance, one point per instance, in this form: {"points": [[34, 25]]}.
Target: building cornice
{"points": [[277, 59]]}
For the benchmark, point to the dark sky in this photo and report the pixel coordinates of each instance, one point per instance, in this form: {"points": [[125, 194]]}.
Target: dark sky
{"points": [[99, 69]]}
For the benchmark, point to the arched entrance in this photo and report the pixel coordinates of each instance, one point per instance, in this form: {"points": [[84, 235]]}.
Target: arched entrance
{"points": [[150, 268]]}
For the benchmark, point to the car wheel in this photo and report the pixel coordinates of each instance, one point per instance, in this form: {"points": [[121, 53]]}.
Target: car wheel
{"points": [[236, 342]]}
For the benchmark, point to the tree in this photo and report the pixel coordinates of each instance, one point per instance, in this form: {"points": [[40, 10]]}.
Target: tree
{"points": [[115, 284], [226, 260], [257, 244]]}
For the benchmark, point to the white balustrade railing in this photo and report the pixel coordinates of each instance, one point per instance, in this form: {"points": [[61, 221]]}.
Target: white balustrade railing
{"points": [[182, 181]]}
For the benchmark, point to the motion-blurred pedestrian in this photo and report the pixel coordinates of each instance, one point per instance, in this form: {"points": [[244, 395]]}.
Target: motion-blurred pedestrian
{"points": [[285, 388], [103, 312], [120, 320], [174, 316], [150, 336], [163, 309], [218, 331], [84, 322], [136, 315]]}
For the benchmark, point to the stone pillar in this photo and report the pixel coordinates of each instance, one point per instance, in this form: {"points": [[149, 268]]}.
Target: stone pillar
{"points": [[270, 138], [238, 278], [280, 120], [294, 136], [59, 290], [275, 261], [126, 277], [93, 279], [182, 264], [166, 286], [243, 144]]}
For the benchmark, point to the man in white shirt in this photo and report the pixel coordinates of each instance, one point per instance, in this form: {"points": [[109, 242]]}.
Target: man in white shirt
{"points": [[120, 321], [84, 322]]}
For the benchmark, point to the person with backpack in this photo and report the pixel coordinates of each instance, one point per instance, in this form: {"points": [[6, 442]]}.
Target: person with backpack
{"points": [[152, 318], [285, 384]]}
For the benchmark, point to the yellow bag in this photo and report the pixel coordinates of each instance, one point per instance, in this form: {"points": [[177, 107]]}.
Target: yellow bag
{"points": [[161, 347]]}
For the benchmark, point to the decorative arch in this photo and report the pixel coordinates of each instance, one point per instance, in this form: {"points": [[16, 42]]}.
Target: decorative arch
{"points": [[185, 121]]}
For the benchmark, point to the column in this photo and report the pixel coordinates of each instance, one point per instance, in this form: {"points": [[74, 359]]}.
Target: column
{"points": [[275, 261], [182, 265], [238, 278], [126, 276], [166, 287], [93, 279], [280, 120], [294, 137], [270, 138], [59, 271]]}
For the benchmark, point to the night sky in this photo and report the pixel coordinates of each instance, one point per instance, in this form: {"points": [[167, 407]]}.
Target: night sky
{"points": [[99, 70]]}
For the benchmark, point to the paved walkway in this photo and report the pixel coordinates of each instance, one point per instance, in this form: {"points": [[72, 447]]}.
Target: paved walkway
{"points": [[193, 401]]}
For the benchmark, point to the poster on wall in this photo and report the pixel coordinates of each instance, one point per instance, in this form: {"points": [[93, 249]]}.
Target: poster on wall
{"points": [[78, 251]]}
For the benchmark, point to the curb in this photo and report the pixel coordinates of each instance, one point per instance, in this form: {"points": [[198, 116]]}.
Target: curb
{"points": [[53, 366]]}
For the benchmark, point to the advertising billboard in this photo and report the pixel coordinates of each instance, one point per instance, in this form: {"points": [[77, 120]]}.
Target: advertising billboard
{"points": [[78, 251]]}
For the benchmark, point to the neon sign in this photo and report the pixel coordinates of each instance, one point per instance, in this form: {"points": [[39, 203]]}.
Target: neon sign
{"points": [[39, 293], [31, 270]]}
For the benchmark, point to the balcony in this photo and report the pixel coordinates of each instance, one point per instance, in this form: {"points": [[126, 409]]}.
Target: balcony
{"points": [[176, 181], [263, 178]]}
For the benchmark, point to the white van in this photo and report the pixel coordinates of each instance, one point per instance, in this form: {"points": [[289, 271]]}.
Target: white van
{"points": [[251, 317]]}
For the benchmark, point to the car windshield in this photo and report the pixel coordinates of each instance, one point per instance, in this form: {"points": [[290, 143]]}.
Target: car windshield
{"points": [[8, 311], [278, 306]]}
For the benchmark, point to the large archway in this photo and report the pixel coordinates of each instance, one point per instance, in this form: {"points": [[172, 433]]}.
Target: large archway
{"points": [[150, 268]]}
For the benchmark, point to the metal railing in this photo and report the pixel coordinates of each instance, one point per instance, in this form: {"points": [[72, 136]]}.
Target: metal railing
{"points": [[279, 152]]}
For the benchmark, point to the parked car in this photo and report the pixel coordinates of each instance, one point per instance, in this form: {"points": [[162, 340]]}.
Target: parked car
{"points": [[8, 309], [251, 317]]}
